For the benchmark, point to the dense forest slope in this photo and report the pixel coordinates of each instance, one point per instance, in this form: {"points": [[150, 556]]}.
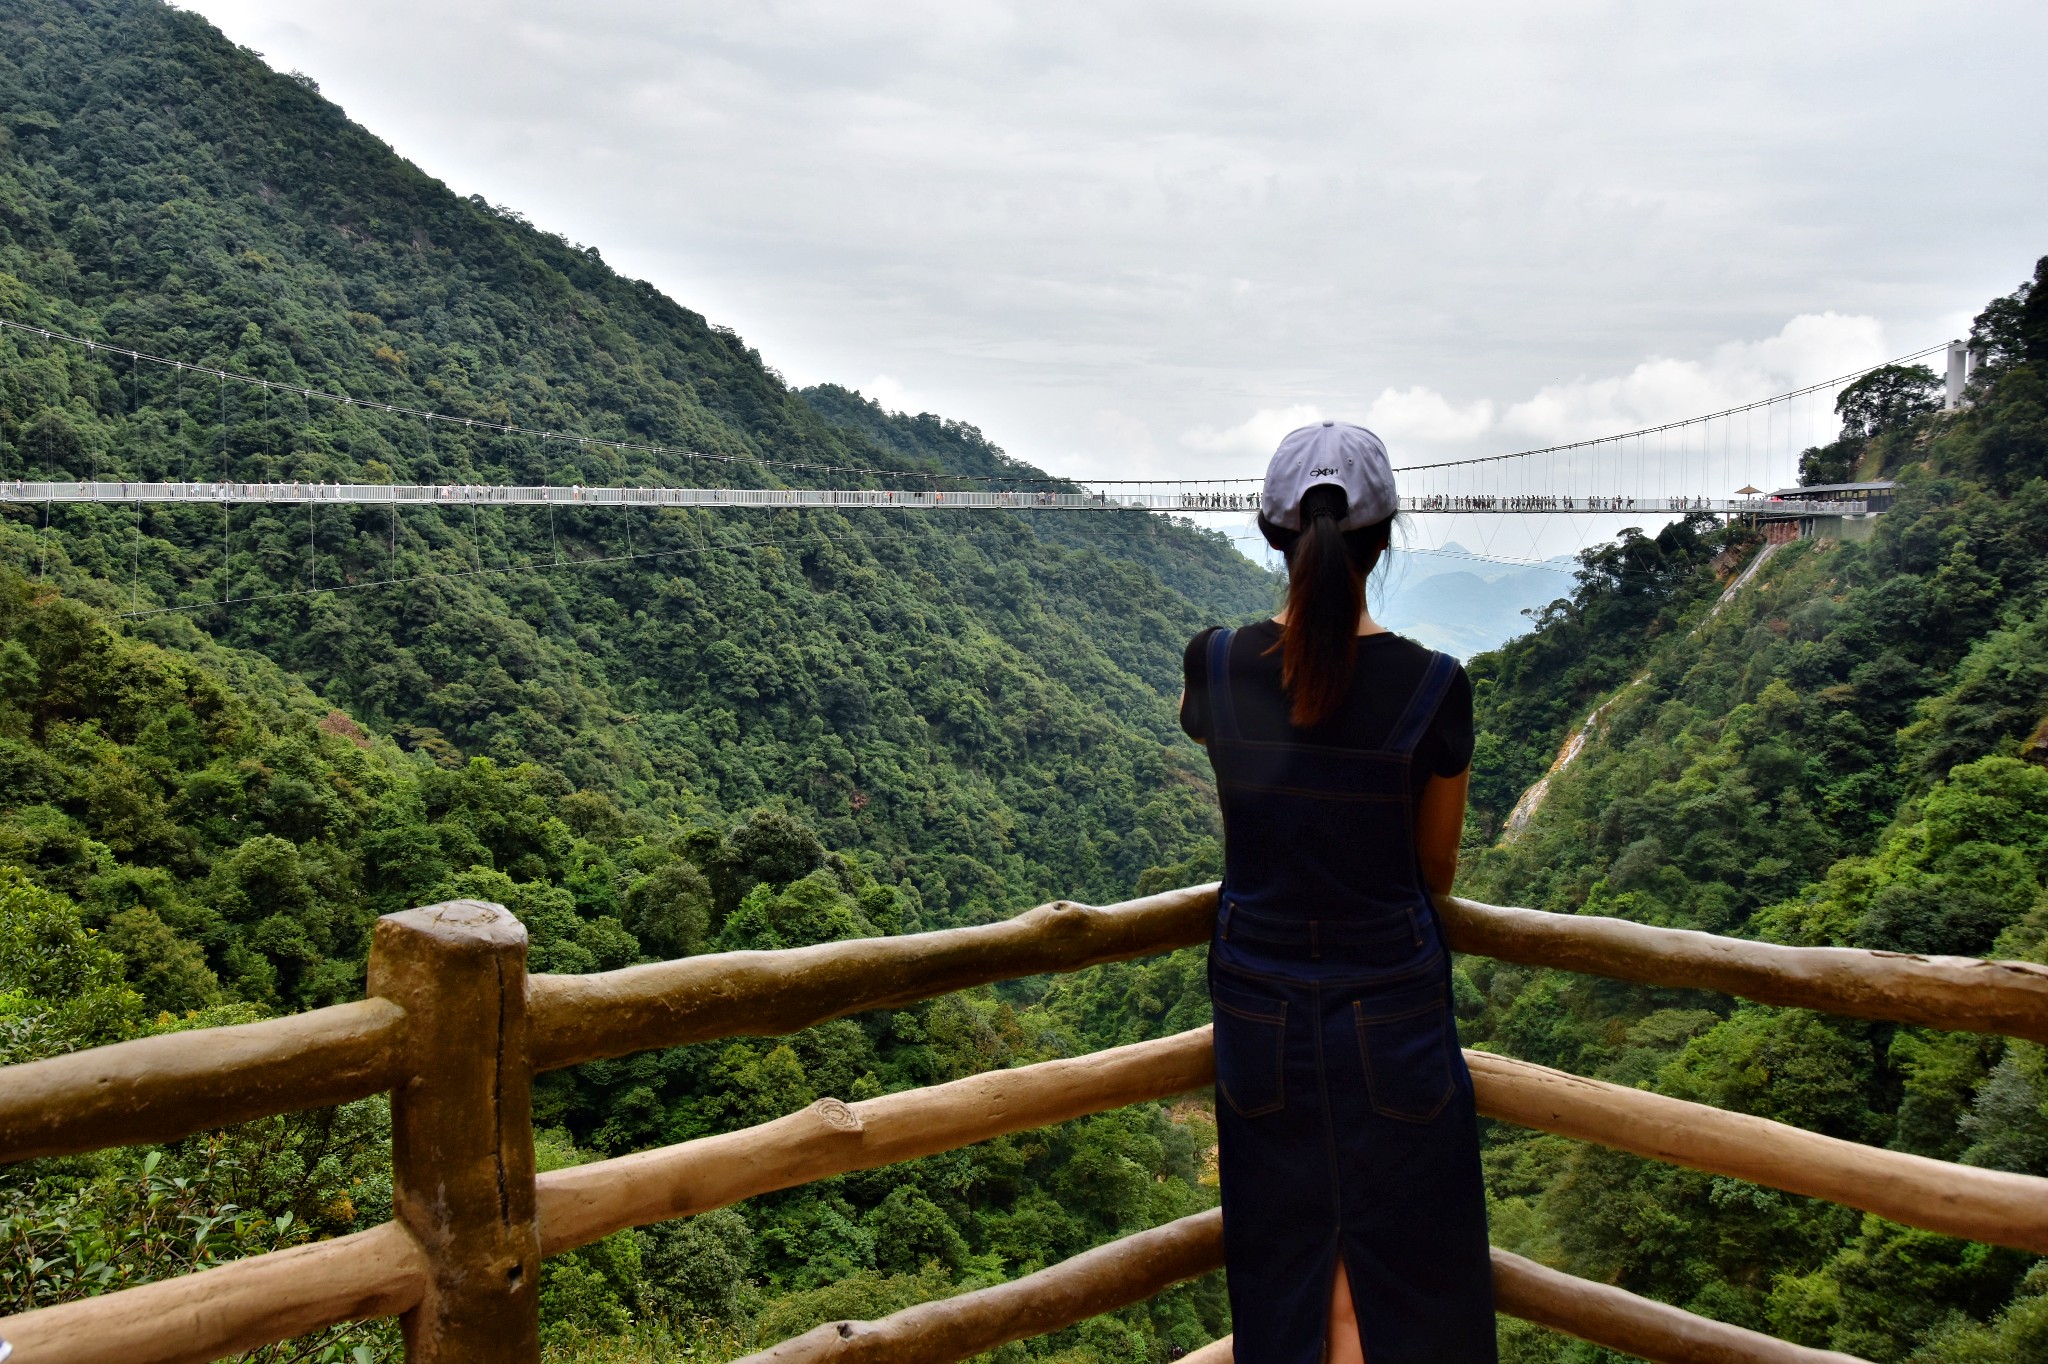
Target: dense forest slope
{"points": [[760, 729], [1855, 752], [195, 839]]}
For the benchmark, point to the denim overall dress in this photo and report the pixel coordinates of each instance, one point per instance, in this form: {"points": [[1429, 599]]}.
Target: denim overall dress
{"points": [[1344, 1110]]}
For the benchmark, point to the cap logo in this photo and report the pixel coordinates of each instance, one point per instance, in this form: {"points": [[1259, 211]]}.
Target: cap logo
{"points": [[1323, 472]]}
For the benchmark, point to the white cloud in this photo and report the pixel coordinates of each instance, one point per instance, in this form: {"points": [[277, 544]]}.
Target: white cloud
{"points": [[893, 396], [1256, 436], [1420, 413], [1420, 424], [1808, 349]]}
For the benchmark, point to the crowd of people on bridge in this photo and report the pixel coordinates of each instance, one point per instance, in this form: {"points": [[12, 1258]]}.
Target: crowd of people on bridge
{"points": [[1220, 501], [1521, 502], [1526, 502], [1472, 502]]}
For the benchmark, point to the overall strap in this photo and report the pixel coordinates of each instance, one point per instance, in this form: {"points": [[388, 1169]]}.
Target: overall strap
{"points": [[1429, 694], [1222, 709]]}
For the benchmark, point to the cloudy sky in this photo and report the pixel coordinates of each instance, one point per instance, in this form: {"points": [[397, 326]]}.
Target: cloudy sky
{"points": [[1147, 238]]}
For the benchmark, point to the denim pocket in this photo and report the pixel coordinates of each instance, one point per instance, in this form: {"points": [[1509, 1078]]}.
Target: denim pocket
{"points": [[1251, 1040], [1405, 1040]]}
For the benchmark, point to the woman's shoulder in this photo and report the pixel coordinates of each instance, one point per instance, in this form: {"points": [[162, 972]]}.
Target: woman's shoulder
{"points": [[1195, 658], [1392, 645], [1399, 663], [1263, 625]]}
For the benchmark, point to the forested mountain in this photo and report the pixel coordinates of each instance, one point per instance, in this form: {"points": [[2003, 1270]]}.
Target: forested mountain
{"points": [[1853, 752]]}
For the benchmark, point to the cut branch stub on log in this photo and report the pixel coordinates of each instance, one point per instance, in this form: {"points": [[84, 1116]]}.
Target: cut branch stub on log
{"points": [[580, 1204], [768, 994], [462, 1129], [158, 1089], [1960, 993], [235, 1307], [1957, 1200], [1096, 1281]]}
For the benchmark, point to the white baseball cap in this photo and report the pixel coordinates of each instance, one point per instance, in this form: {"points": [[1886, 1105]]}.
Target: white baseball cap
{"points": [[1340, 454]]}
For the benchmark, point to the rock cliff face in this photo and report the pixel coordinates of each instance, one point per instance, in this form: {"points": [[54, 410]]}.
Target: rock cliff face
{"points": [[1532, 799], [2035, 749]]}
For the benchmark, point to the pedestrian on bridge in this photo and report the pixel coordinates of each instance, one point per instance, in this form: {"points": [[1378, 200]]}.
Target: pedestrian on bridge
{"points": [[1354, 1219]]}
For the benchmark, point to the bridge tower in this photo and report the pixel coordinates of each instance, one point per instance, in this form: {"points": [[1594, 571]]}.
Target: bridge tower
{"points": [[1964, 359]]}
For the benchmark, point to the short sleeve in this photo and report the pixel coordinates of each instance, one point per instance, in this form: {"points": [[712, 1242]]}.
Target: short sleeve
{"points": [[1194, 672], [1450, 739]]}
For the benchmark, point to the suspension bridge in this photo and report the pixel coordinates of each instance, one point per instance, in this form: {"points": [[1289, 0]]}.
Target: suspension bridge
{"points": [[1716, 462]]}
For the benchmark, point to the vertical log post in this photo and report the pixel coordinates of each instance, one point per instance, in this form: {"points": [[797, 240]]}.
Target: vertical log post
{"points": [[462, 1129]]}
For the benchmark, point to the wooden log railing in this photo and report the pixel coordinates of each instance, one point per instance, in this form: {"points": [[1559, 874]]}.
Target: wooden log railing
{"points": [[765, 994], [1962, 994], [455, 1030]]}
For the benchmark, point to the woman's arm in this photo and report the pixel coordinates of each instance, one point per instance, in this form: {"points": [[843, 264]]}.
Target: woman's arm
{"points": [[1439, 824]]}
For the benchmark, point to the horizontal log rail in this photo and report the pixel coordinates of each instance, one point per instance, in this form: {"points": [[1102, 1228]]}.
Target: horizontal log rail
{"points": [[1992, 1206], [764, 994], [158, 1089], [1139, 1266], [588, 1017], [1056, 1297], [1963, 994], [584, 1202], [1620, 1320], [250, 1303]]}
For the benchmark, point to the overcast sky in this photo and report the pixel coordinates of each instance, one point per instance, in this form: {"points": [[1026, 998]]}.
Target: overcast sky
{"points": [[1128, 239]]}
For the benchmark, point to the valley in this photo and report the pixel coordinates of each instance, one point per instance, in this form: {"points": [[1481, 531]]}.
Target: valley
{"points": [[230, 741]]}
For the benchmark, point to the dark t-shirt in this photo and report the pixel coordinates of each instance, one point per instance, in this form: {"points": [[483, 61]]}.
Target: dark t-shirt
{"points": [[1388, 669]]}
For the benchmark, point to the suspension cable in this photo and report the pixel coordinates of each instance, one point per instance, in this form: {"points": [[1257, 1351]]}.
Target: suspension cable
{"points": [[225, 376], [1673, 426]]}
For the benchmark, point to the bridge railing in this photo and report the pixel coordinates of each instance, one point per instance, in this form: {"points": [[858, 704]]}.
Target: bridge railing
{"points": [[297, 493], [455, 1029]]}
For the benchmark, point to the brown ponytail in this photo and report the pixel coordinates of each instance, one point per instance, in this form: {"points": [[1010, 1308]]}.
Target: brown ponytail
{"points": [[1326, 572]]}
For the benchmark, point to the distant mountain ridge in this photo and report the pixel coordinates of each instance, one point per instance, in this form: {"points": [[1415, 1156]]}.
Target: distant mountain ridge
{"points": [[1450, 602]]}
